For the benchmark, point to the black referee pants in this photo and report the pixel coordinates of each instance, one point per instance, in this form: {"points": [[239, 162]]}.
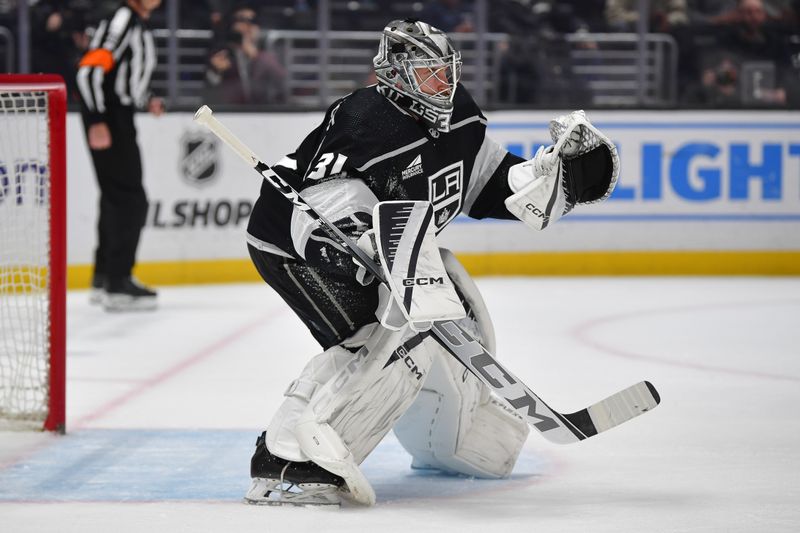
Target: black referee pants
{"points": [[123, 202], [332, 307]]}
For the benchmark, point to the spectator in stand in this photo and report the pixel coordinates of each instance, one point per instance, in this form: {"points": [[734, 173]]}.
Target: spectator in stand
{"points": [[449, 16], [238, 70], [751, 65], [719, 83], [623, 15], [537, 67], [589, 14], [728, 11], [200, 14], [58, 40], [670, 15]]}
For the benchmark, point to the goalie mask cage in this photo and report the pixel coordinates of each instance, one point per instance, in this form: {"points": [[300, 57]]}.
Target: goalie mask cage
{"points": [[32, 251]]}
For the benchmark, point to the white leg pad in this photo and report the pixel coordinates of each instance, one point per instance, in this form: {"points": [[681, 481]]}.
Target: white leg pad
{"points": [[365, 398], [456, 424], [344, 403], [280, 432], [478, 322], [324, 446]]}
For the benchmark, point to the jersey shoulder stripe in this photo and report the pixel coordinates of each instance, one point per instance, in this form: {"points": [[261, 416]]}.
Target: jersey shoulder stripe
{"points": [[367, 128]]}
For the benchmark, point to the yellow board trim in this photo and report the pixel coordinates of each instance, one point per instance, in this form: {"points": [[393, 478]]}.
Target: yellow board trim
{"points": [[725, 263], [633, 263], [190, 272]]}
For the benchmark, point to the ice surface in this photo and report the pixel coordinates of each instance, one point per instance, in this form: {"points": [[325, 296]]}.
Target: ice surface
{"points": [[164, 408]]}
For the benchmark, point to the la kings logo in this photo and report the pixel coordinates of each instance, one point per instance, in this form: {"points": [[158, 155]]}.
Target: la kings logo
{"points": [[444, 192], [199, 157]]}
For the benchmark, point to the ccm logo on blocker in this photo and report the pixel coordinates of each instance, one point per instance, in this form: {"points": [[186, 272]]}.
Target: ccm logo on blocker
{"points": [[410, 282]]}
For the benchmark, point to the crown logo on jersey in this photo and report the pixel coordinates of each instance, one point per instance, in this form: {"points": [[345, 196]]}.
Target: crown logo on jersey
{"points": [[443, 217], [414, 168]]}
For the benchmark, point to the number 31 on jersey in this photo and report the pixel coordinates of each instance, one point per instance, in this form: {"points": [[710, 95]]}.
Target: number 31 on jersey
{"points": [[328, 164]]}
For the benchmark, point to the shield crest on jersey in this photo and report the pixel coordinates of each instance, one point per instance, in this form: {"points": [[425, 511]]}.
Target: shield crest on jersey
{"points": [[199, 157], [444, 192]]}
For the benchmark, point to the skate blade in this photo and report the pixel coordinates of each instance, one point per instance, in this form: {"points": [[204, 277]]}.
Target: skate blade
{"points": [[290, 503], [272, 492], [118, 304], [97, 296]]}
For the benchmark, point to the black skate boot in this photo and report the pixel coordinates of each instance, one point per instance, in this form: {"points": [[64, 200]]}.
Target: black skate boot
{"points": [[127, 294], [277, 481]]}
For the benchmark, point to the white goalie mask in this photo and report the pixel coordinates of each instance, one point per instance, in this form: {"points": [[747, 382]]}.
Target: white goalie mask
{"points": [[418, 62]]}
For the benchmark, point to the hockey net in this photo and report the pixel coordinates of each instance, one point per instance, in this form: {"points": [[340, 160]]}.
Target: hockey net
{"points": [[32, 251]]}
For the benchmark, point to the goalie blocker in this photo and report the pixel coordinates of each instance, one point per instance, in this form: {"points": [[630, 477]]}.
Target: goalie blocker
{"points": [[581, 167], [418, 290]]}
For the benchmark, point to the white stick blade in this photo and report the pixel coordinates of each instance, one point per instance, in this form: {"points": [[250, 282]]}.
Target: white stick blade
{"points": [[622, 406]]}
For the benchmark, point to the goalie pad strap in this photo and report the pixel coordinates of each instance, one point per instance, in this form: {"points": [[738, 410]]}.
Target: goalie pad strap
{"points": [[301, 388]]}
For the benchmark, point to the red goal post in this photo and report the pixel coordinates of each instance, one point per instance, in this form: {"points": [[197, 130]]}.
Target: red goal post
{"points": [[33, 251]]}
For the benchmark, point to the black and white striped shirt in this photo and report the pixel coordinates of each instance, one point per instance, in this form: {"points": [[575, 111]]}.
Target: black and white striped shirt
{"points": [[117, 68]]}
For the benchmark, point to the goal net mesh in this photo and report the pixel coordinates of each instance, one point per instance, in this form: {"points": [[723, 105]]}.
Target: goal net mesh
{"points": [[24, 258]]}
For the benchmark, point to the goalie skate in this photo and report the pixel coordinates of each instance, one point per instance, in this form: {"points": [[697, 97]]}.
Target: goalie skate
{"points": [[276, 481], [266, 491]]}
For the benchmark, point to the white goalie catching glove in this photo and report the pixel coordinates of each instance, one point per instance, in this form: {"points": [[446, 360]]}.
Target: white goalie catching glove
{"points": [[581, 167]]}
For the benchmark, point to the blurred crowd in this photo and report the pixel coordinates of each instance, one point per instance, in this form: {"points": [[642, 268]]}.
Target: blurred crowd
{"points": [[731, 53]]}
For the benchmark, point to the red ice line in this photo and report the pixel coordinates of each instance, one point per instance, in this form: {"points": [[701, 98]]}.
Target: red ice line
{"points": [[581, 333], [154, 381], [171, 372]]}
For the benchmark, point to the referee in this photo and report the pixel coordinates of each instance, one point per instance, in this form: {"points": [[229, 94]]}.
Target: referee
{"points": [[113, 79]]}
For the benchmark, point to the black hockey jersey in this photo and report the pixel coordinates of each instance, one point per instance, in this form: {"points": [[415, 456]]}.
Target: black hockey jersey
{"points": [[369, 149]]}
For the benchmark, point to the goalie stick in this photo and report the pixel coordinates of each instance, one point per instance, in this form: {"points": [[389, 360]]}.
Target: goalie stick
{"points": [[554, 426]]}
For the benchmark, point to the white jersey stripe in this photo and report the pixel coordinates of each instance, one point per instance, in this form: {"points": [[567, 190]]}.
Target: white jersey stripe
{"points": [[466, 121], [393, 153], [117, 28], [85, 87], [265, 246], [119, 50], [137, 64], [487, 160], [286, 162], [98, 35], [149, 66], [97, 90], [122, 75]]}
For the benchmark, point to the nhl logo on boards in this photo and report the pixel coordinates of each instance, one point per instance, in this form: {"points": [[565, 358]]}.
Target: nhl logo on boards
{"points": [[413, 169], [444, 192], [199, 158]]}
